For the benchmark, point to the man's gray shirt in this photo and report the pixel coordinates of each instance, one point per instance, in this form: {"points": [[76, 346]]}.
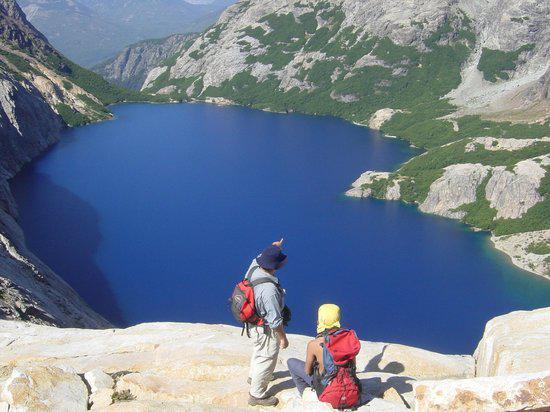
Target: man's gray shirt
{"points": [[268, 298]]}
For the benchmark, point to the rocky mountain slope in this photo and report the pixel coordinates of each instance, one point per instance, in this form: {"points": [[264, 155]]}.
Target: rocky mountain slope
{"points": [[449, 76], [41, 92], [90, 31], [131, 66], [197, 367]]}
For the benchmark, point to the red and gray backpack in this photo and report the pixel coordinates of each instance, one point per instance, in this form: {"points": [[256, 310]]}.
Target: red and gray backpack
{"points": [[242, 301], [342, 388]]}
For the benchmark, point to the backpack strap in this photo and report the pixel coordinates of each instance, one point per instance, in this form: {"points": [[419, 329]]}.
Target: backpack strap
{"points": [[261, 281], [251, 271]]}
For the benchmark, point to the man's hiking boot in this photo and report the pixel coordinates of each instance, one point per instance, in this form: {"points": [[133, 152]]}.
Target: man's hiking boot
{"points": [[267, 401]]}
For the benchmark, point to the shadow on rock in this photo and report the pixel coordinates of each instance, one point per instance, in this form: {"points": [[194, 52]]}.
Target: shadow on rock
{"points": [[376, 388], [281, 386], [392, 367]]}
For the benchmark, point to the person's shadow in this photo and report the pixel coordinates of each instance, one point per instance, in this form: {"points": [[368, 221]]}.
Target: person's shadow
{"points": [[373, 365], [281, 386], [375, 388]]}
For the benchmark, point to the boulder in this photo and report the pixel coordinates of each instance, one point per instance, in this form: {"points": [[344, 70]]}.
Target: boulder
{"points": [[518, 342], [502, 393], [44, 388], [98, 380]]}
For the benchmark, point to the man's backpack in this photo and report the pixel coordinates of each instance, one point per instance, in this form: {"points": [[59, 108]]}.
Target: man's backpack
{"points": [[342, 387], [242, 301]]}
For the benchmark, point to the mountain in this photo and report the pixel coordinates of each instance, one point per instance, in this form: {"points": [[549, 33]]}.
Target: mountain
{"points": [[90, 31], [466, 80], [131, 66], [41, 92]]}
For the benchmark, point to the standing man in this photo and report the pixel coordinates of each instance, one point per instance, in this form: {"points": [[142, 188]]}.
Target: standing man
{"points": [[269, 337]]}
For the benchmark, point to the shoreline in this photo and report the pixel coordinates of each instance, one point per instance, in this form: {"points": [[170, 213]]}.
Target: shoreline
{"points": [[223, 102]]}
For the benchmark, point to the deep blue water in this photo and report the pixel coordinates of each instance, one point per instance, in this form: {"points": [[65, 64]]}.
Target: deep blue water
{"points": [[154, 217]]}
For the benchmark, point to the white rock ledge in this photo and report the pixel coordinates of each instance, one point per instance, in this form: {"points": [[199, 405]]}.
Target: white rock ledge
{"points": [[184, 366], [181, 366]]}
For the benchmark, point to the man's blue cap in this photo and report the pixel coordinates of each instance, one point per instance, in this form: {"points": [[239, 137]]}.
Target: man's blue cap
{"points": [[272, 258]]}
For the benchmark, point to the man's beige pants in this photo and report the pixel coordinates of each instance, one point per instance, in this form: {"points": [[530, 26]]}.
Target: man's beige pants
{"points": [[264, 358]]}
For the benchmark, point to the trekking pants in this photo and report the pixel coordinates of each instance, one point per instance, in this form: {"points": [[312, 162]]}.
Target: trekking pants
{"points": [[264, 358], [301, 379]]}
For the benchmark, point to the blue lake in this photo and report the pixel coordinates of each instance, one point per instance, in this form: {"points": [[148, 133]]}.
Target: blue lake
{"points": [[154, 217]]}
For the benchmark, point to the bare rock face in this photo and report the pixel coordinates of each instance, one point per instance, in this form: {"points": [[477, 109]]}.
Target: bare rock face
{"points": [[503, 393], [380, 117], [502, 27], [393, 192], [514, 193], [457, 187], [28, 124], [518, 342], [131, 66]]}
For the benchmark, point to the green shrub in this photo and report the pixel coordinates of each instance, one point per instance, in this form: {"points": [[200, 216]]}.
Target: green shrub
{"points": [[495, 63], [70, 116], [122, 396], [67, 85], [19, 62], [479, 213], [539, 248]]}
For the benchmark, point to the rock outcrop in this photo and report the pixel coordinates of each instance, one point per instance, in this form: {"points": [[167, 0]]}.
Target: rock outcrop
{"points": [[515, 343], [457, 187], [131, 66], [176, 366], [361, 187]]}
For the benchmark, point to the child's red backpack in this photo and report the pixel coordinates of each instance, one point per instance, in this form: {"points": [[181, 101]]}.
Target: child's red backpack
{"points": [[342, 387], [242, 301]]}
